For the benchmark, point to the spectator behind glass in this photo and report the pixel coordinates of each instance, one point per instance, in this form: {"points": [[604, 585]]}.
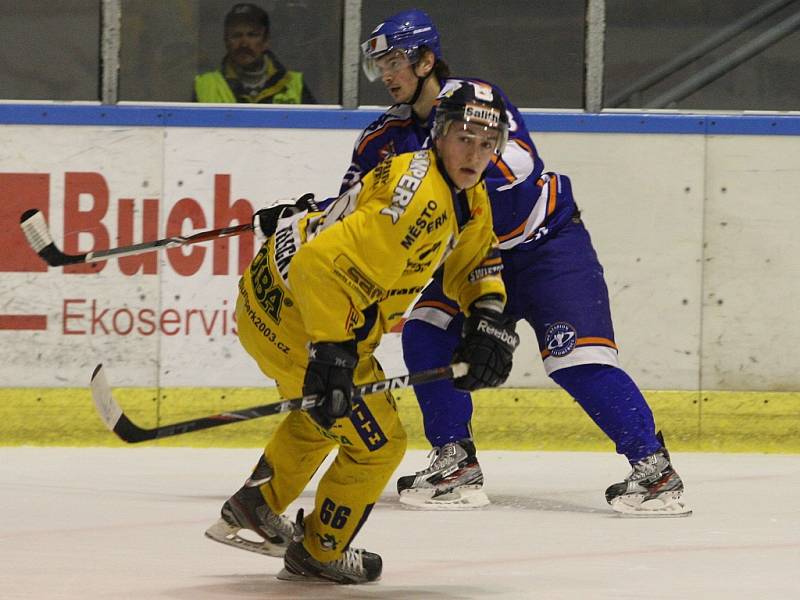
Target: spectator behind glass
{"points": [[250, 72]]}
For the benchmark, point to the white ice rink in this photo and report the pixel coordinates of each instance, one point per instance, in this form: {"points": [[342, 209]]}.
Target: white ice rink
{"points": [[82, 524]]}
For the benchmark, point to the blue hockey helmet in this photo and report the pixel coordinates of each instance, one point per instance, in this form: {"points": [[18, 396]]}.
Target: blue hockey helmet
{"points": [[475, 103], [406, 31]]}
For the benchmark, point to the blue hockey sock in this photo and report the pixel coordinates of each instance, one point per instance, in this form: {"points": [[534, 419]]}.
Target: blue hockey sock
{"points": [[613, 401], [446, 411]]}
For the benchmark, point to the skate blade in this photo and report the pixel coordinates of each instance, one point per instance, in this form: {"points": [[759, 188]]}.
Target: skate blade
{"points": [[654, 508], [465, 497], [285, 575], [225, 533]]}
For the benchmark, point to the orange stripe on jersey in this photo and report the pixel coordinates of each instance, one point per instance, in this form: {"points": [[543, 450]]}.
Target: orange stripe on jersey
{"points": [[378, 132], [551, 206], [527, 148], [438, 305], [515, 233], [505, 170], [503, 166]]}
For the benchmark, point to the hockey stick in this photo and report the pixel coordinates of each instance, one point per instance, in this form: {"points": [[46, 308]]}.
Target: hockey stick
{"points": [[116, 421], [38, 235]]}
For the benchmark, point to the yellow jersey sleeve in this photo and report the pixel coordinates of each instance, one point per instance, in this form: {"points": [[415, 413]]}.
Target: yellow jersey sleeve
{"points": [[473, 269]]}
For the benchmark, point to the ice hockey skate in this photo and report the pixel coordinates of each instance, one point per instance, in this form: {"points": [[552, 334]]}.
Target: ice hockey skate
{"points": [[453, 480], [355, 565], [247, 514], [652, 489]]}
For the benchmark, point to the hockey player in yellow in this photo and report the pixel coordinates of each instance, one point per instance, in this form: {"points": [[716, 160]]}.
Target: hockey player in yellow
{"points": [[312, 308]]}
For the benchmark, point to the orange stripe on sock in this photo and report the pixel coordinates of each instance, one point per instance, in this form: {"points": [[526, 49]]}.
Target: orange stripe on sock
{"points": [[596, 341]]}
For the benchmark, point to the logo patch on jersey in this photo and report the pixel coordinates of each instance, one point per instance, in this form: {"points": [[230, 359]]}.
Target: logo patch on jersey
{"points": [[424, 254], [287, 240], [490, 266], [485, 271], [560, 338], [416, 267], [426, 222], [380, 174], [267, 294], [346, 270], [412, 291], [387, 151], [407, 186]]}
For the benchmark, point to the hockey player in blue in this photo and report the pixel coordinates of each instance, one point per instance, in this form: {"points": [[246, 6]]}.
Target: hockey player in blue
{"points": [[553, 279]]}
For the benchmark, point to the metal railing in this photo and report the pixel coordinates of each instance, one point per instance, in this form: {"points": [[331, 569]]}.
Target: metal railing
{"points": [[697, 51], [594, 43]]}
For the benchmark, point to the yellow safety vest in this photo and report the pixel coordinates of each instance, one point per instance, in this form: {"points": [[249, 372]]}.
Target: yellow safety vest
{"points": [[212, 87]]}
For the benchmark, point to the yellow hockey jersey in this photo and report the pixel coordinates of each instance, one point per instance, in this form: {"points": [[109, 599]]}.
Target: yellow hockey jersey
{"points": [[360, 263]]}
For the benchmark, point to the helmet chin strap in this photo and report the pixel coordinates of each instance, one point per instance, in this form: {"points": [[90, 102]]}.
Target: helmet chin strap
{"points": [[418, 91]]}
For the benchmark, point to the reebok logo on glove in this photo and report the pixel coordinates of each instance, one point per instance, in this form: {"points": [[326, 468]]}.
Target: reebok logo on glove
{"points": [[509, 338], [488, 341]]}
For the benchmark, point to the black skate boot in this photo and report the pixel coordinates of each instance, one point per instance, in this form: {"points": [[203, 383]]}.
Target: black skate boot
{"points": [[453, 480], [355, 565], [652, 489], [246, 510]]}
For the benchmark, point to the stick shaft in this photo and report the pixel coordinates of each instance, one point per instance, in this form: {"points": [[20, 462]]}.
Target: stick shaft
{"points": [[170, 242], [116, 420], [38, 235]]}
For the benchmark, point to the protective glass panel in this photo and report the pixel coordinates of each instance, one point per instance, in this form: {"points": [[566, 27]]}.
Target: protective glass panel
{"points": [[734, 55], [166, 43], [533, 50], [51, 49]]}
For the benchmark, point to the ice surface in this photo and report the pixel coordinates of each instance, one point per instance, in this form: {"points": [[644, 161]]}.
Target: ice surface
{"points": [[87, 523]]}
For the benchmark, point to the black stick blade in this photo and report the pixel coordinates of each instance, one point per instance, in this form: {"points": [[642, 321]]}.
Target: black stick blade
{"points": [[38, 235]]}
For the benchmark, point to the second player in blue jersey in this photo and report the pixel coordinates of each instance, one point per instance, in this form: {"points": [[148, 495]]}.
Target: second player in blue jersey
{"points": [[553, 279]]}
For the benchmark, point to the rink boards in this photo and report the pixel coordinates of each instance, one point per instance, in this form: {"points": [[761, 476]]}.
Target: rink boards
{"points": [[693, 216], [505, 419]]}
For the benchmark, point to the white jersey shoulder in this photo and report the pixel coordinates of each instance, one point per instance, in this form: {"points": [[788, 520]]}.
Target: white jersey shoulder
{"points": [[519, 162]]}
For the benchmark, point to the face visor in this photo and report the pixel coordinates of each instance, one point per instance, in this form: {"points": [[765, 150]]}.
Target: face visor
{"points": [[381, 58]]}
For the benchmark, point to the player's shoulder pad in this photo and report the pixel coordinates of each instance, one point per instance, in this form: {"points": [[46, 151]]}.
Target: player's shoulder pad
{"points": [[393, 116], [401, 111]]}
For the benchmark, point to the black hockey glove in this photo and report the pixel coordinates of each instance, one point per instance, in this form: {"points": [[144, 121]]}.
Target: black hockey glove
{"points": [[488, 341], [266, 219], [330, 375]]}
